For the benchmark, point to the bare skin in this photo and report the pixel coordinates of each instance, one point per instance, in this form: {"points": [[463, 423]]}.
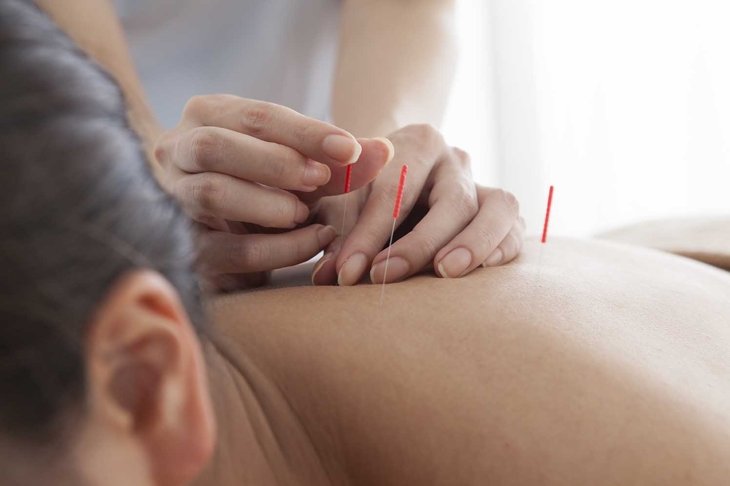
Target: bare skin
{"points": [[602, 364]]}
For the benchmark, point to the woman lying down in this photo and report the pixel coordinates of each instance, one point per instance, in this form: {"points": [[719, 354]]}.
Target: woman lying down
{"points": [[602, 364]]}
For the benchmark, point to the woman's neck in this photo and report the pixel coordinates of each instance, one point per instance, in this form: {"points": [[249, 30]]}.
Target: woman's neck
{"points": [[261, 439]]}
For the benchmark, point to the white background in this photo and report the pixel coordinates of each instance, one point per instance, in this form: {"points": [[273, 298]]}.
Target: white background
{"points": [[623, 105]]}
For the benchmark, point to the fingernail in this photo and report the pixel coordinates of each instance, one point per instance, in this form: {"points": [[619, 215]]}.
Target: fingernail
{"points": [[391, 148], [315, 174], [327, 257], [342, 148], [494, 259], [398, 268], [302, 213], [325, 235], [352, 270], [455, 263]]}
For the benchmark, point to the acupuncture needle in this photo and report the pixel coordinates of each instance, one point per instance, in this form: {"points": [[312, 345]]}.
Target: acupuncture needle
{"points": [[348, 181], [543, 240], [396, 213], [547, 215]]}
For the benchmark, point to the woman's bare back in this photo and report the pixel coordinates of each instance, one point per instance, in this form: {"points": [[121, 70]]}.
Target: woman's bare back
{"points": [[580, 363]]}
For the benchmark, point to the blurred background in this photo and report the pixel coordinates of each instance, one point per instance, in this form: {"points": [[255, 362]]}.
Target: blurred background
{"points": [[624, 106]]}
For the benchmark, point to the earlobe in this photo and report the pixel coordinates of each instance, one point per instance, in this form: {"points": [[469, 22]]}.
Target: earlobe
{"points": [[146, 376]]}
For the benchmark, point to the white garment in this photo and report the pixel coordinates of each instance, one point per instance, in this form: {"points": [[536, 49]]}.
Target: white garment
{"points": [[282, 51]]}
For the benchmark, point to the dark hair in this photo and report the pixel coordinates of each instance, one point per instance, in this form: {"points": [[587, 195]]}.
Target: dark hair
{"points": [[78, 209]]}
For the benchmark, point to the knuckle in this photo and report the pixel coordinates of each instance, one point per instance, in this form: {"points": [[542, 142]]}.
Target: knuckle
{"points": [[428, 133], [462, 157], [304, 132], [427, 246], [160, 150], [424, 130], [509, 200], [278, 169], [513, 241], [160, 153], [509, 240], [294, 159], [205, 147], [426, 138], [510, 246], [206, 192], [286, 166], [464, 201], [285, 210], [195, 105], [486, 237], [290, 208], [460, 153], [250, 255], [256, 117]]}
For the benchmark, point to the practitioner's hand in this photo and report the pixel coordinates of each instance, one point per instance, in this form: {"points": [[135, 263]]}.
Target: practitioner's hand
{"points": [[242, 169], [447, 220]]}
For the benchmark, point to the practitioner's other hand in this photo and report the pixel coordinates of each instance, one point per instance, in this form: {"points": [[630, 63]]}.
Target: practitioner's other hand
{"points": [[447, 220], [244, 169]]}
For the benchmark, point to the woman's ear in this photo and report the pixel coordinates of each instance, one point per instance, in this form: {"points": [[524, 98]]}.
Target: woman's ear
{"points": [[146, 377]]}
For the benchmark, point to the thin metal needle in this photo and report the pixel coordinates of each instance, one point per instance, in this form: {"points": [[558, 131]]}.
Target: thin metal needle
{"points": [[387, 260], [344, 215], [396, 213]]}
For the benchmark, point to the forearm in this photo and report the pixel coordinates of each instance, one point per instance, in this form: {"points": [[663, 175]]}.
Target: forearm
{"points": [[395, 66], [94, 26]]}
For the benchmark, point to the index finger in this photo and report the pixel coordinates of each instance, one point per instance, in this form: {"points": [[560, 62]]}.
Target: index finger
{"points": [[270, 122]]}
